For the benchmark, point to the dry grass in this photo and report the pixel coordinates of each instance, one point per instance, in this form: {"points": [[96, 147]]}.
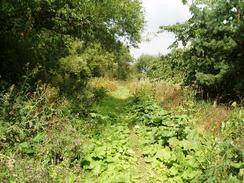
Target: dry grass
{"points": [[211, 118], [136, 86], [169, 96], [108, 84]]}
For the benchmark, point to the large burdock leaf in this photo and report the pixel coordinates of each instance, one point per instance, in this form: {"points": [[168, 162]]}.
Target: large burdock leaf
{"points": [[164, 155], [190, 174]]}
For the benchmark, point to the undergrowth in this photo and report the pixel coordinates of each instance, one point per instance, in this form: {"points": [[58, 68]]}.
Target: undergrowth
{"points": [[180, 154], [113, 134], [41, 132]]}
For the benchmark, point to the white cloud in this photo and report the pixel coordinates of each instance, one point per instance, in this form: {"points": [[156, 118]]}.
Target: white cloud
{"points": [[157, 13]]}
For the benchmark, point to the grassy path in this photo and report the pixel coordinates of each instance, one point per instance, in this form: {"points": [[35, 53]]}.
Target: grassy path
{"points": [[114, 153], [141, 170], [138, 145]]}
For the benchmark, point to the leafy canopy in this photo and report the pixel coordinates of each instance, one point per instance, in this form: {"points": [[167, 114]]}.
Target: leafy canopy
{"points": [[214, 38], [41, 31]]}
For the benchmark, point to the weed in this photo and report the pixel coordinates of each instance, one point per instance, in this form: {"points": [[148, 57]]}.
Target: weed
{"points": [[126, 136]]}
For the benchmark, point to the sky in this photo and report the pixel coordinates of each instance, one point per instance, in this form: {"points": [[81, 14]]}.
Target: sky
{"points": [[157, 13]]}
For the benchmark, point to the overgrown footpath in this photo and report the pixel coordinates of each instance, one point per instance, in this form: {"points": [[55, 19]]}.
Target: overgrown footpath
{"points": [[125, 137], [141, 142]]}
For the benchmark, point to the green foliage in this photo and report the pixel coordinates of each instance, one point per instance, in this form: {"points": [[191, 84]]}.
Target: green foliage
{"points": [[145, 63], [109, 156], [172, 145], [86, 20], [214, 38], [72, 131], [41, 32], [122, 138], [168, 68], [40, 133], [169, 144], [123, 60]]}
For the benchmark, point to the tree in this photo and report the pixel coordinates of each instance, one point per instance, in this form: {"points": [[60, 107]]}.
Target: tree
{"points": [[145, 63], [215, 42], [123, 62], [40, 31]]}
